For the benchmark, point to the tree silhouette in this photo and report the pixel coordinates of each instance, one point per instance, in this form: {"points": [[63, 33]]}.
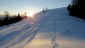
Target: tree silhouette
{"points": [[9, 19], [77, 8], [6, 19]]}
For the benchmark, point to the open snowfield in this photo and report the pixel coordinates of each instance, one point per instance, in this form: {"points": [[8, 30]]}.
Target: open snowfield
{"points": [[52, 29]]}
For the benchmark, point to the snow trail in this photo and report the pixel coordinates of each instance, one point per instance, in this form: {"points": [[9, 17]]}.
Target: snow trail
{"points": [[52, 29]]}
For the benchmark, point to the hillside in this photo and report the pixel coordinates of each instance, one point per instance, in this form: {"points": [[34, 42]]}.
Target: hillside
{"points": [[53, 29]]}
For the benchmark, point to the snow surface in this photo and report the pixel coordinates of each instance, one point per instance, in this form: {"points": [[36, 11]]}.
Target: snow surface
{"points": [[52, 29]]}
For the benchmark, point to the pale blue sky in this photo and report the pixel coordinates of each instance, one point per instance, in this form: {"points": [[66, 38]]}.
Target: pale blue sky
{"points": [[15, 6]]}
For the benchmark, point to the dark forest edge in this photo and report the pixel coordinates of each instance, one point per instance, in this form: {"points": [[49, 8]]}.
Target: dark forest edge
{"points": [[7, 20], [77, 8]]}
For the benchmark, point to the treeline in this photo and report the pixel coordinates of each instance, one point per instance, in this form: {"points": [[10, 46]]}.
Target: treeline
{"points": [[77, 8], [7, 20]]}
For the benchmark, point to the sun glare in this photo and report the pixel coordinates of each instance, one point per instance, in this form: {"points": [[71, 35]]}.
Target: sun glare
{"points": [[30, 13]]}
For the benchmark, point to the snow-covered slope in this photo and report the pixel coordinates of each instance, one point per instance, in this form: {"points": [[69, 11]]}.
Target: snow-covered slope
{"points": [[52, 29]]}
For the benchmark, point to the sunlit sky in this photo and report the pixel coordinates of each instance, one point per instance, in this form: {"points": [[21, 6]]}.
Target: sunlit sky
{"points": [[20, 6]]}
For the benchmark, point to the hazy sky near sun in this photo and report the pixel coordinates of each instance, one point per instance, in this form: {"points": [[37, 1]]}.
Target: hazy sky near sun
{"points": [[16, 6]]}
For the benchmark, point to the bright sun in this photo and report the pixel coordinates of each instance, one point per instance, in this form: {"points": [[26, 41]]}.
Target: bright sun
{"points": [[30, 14]]}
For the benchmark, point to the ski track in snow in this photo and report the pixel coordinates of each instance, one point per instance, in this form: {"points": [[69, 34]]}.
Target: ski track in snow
{"points": [[22, 33], [16, 34]]}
